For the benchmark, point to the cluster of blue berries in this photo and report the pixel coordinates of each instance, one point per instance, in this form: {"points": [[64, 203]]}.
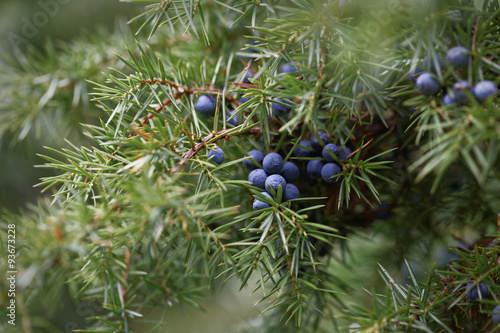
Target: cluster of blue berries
{"points": [[480, 291], [458, 57], [272, 174], [316, 158], [323, 166]]}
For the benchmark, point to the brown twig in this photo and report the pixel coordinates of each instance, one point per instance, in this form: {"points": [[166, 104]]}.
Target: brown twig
{"points": [[354, 152], [140, 132], [322, 54], [476, 27], [153, 81], [362, 117], [193, 151], [384, 135]]}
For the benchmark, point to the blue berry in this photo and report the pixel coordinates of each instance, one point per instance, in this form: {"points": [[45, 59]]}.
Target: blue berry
{"points": [[383, 211], [288, 68], [496, 315], [274, 182], [427, 84], [328, 171], [290, 171], [462, 84], [280, 110], [344, 152], [216, 155], [243, 99], [415, 74], [234, 120], [484, 89], [458, 90], [448, 99], [273, 163], [206, 105], [478, 291], [247, 77], [314, 168], [291, 192], [431, 65], [415, 110], [257, 155], [330, 148], [257, 204], [249, 47], [303, 152], [258, 178], [457, 57], [315, 143]]}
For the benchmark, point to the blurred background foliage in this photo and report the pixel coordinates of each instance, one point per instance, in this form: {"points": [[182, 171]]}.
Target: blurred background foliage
{"points": [[68, 23], [70, 19]]}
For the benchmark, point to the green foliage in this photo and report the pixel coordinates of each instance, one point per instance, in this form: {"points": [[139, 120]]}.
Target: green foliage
{"points": [[140, 217], [45, 93], [438, 303]]}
